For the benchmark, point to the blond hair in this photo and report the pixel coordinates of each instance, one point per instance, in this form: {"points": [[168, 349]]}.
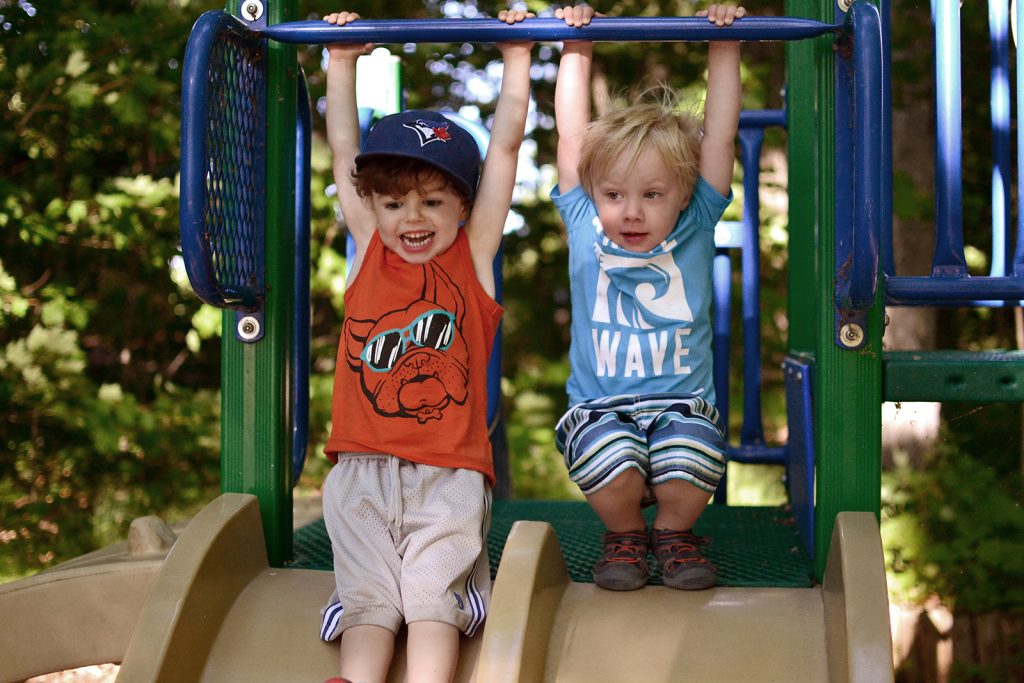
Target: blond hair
{"points": [[654, 121]]}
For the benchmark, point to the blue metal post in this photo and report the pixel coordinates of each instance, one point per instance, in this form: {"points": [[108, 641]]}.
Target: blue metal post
{"points": [[885, 201], [998, 21], [301, 316], [752, 431], [1018, 257], [949, 235]]}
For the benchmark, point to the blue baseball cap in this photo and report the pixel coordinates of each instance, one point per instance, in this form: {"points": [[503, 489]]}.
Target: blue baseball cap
{"points": [[429, 137]]}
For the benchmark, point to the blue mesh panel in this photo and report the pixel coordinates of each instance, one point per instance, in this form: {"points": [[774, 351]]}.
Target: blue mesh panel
{"points": [[233, 212], [222, 157]]}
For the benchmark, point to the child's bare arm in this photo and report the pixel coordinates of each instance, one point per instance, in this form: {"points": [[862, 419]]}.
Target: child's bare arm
{"points": [[723, 102], [497, 180], [572, 97], [343, 133]]}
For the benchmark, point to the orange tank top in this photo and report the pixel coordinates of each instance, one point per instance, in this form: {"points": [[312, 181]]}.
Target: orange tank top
{"points": [[411, 376]]}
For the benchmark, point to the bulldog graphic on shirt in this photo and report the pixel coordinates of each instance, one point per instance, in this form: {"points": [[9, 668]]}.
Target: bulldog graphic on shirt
{"points": [[413, 360]]}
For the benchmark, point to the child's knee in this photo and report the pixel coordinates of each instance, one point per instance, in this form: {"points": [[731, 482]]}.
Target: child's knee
{"points": [[629, 483], [682, 492]]}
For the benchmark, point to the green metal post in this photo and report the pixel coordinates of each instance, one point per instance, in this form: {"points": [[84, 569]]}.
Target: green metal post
{"points": [[256, 407], [802, 111], [847, 384]]}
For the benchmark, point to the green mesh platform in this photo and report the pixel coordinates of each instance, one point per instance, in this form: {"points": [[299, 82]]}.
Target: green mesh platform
{"points": [[752, 546]]}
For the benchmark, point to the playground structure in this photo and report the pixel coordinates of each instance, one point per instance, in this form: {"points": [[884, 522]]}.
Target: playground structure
{"points": [[799, 598]]}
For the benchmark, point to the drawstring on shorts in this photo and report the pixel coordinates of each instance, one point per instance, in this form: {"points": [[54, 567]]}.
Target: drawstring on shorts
{"points": [[395, 511]]}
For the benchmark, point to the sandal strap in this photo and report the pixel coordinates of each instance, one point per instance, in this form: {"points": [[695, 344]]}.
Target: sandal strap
{"points": [[672, 546], [625, 546]]}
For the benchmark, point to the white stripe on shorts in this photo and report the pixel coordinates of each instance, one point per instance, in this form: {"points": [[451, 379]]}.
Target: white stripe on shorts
{"points": [[476, 598], [329, 626]]}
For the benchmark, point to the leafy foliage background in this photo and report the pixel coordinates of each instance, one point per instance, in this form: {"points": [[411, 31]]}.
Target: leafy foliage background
{"points": [[108, 408]]}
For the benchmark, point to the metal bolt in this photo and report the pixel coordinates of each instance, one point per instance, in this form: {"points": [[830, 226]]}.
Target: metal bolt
{"points": [[252, 9], [248, 328], [851, 335], [844, 5]]}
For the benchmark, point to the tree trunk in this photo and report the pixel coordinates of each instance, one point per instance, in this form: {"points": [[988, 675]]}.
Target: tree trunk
{"points": [[988, 647]]}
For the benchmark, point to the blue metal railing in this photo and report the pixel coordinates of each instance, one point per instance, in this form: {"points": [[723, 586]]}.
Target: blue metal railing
{"points": [[949, 282], [949, 251], [744, 236], [301, 312], [858, 292], [618, 29], [999, 99], [1018, 257], [858, 204]]}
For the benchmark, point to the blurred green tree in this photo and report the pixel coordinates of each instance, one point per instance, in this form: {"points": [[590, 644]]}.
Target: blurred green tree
{"points": [[109, 402]]}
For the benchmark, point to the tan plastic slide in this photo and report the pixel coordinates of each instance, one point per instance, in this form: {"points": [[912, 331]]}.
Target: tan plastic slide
{"points": [[214, 610]]}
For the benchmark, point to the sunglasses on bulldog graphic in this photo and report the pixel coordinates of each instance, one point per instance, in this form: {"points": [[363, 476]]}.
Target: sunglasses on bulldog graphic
{"points": [[434, 329]]}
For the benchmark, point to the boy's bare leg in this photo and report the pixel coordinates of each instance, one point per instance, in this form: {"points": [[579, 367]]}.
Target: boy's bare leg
{"points": [[623, 563], [679, 504], [618, 503], [432, 652], [366, 653], [683, 564]]}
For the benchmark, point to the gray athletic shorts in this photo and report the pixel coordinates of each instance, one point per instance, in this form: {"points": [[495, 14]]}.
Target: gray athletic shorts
{"points": [[409, 542]]}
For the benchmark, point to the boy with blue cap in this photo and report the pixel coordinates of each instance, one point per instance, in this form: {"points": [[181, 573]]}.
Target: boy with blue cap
{"points": [[407, 504]]}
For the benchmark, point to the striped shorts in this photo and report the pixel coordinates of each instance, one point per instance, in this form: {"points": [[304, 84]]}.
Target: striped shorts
{"points": [[663, 436]]}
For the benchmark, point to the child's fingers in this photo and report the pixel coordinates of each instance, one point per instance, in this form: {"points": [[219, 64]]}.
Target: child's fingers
{"points": [[734, 12], [576, 16], [514, 16], [341, 18], [723, 15]]}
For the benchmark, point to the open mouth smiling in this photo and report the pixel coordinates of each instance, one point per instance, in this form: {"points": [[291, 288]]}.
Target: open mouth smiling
{"points": [[417, 240]]}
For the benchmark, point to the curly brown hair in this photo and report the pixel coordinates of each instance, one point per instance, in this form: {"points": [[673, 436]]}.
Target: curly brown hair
{"points": [[395, 176]]}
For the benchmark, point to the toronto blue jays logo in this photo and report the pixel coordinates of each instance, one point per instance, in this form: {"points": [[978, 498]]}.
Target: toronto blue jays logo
{"points": [[429, 131]]}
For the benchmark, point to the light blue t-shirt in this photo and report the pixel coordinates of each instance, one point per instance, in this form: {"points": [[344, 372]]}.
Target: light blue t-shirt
{"points": [[641, 322]]}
